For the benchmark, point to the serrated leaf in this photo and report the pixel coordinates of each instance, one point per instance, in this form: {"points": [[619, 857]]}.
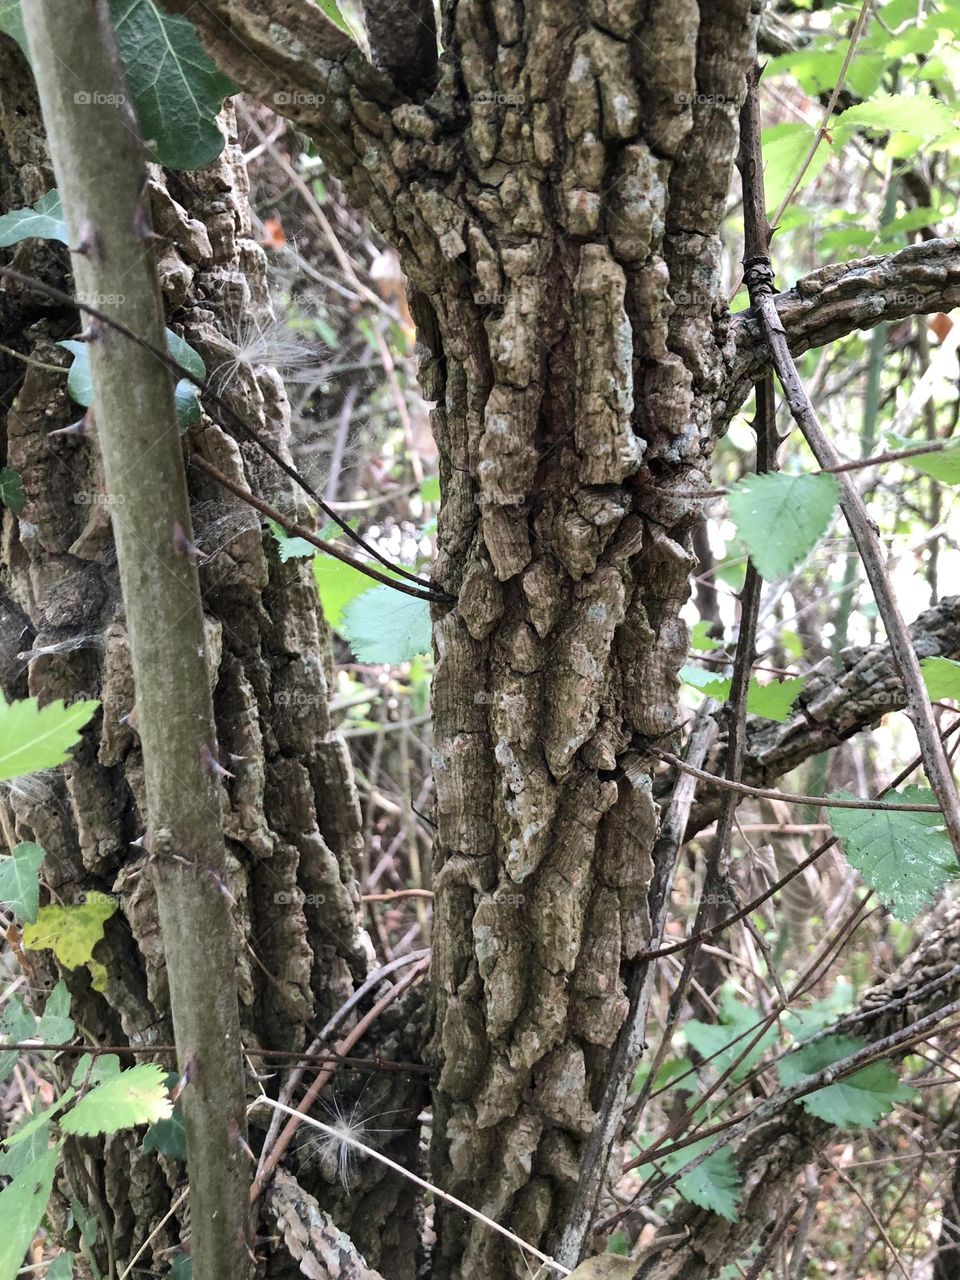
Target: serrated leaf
{"points": [[906, 858], [290, 547], [72, 932], [337, 584], [857, 1101], [713, 1185], [17, 1024], [781, 518], [137, 1096], [771, 701], [942, 678], [785, 147], [942, 465], [43, 222], [11, 490], [774, 700], [176, 89], [30, 1148], [382, 625], [20, 880], [917, 114], [730, 1037], [56, 1026], [35, 737], [40, 1119], [22, 1206]]}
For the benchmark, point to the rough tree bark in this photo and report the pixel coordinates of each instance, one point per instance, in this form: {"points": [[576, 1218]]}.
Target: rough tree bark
{"points": [[555, 185], [290, 813]]}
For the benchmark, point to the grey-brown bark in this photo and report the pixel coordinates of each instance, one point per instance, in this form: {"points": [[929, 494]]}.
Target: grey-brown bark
{"points": [[290, 812]]}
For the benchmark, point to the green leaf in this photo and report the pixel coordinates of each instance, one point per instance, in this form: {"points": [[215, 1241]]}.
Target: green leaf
{"points": [[942, 465], [17, 1024], [713, 1185], [906, 858], [137, 1096], [43, 222], [79, 381], [430, 489], [182, 1267], [329, 8], [804, 1023], [185, 355], [56, 1025], [917, 114], [11, 23], [61, 1268], [40, 1119], [780, 518], [35, 737], [291, 548], [92, 1070], [384, 626], [176, 89], [785, 147], [771, 701], [185, 394], [11, 490], [858, 1100], [22, 1206], [941, 676], [20, 880], [700, 637], [337, 584], [168, 1137], [72, 932], [729, 1037], [35, 1142]]}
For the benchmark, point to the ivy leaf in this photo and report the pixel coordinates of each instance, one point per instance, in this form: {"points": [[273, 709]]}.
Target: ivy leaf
{"points": [[56, 1026], [906, 858], [942, 678], [35, 737], [780, 518], [22, 1206], [176, 89], [709, 683], [44, 221], [856, 1101], [11, 490], [291, 548], [728, 1038], [185, 394], [17, 1024], [72, 932], [20, 880], [384, 626], [137, 1096]]}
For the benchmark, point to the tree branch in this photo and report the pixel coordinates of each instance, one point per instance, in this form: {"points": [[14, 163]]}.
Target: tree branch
{"points": [[838, 299]]}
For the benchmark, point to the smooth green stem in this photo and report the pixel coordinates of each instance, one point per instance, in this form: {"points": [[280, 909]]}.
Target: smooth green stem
{"points": [[99, 164]]}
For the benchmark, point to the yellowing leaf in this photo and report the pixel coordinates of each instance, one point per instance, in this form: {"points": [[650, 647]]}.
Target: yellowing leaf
{"points": [[71, 933], [137, 1096]]}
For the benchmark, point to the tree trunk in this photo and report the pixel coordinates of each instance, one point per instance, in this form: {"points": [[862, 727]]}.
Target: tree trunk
{"points": [[290, 812]]}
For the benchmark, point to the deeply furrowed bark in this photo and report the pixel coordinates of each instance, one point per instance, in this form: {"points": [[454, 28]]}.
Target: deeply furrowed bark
{"points": [[290, 813]]}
